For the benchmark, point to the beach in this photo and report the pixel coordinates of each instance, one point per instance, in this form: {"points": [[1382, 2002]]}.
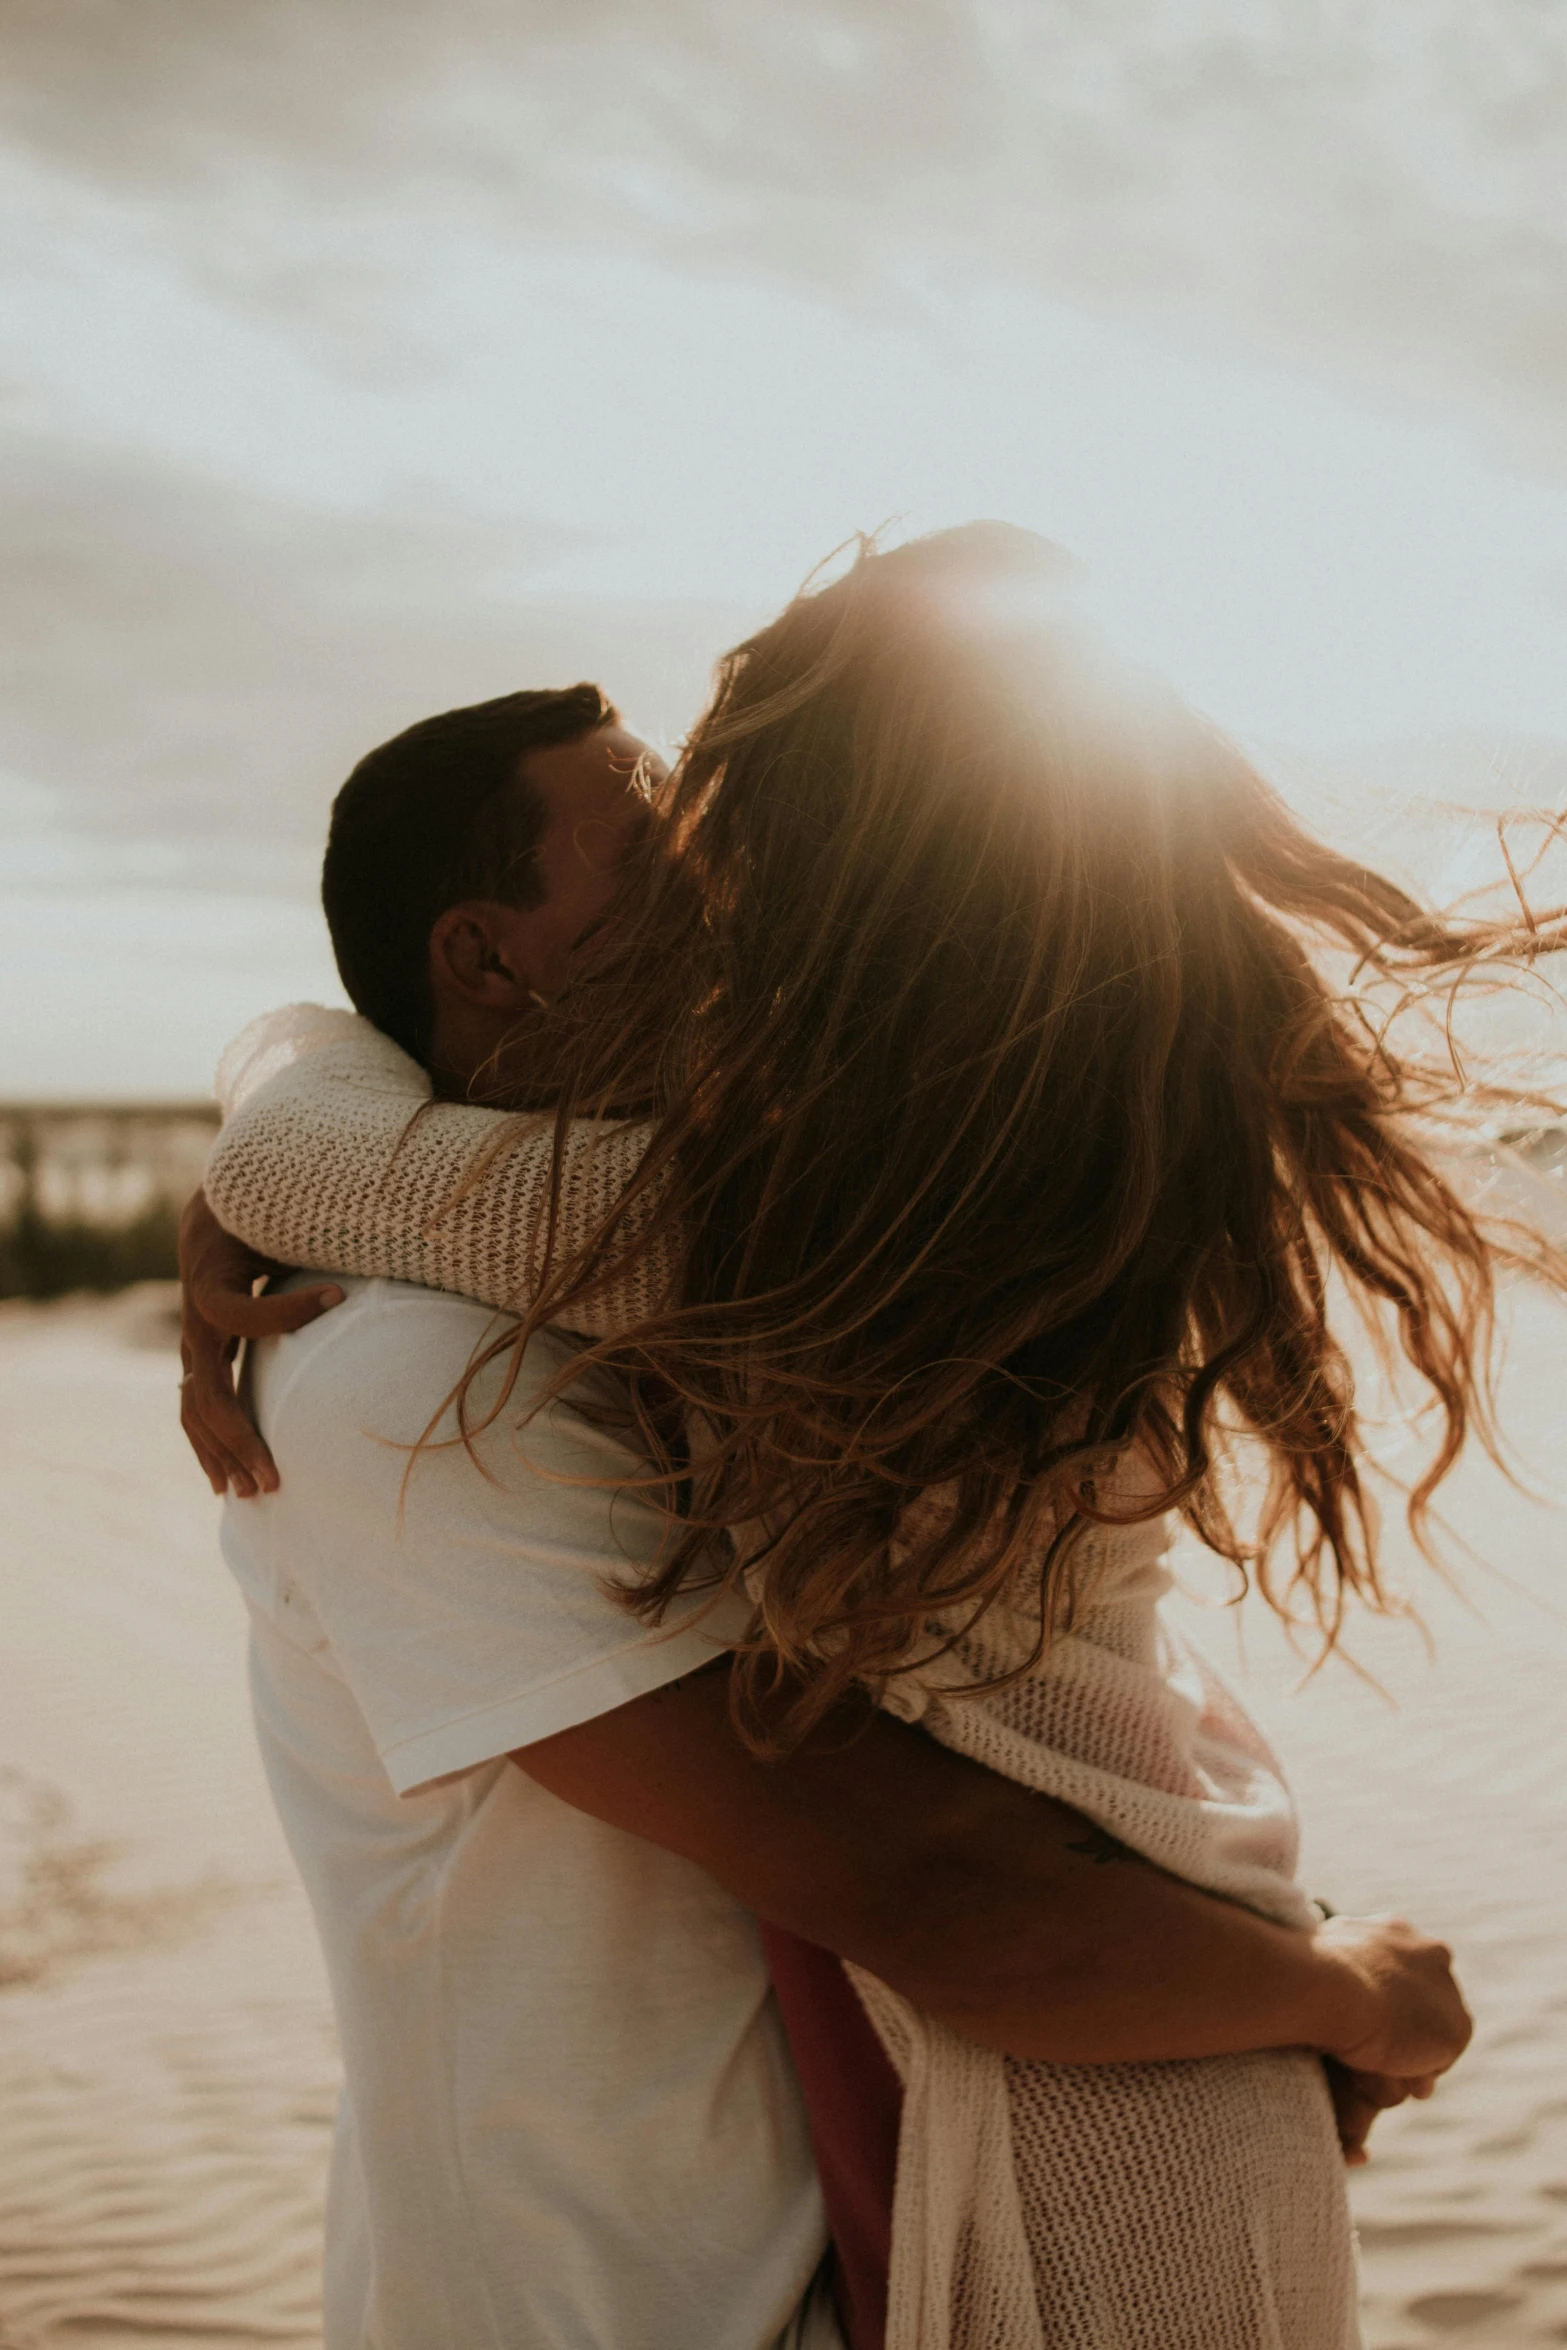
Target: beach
{"points": [[167, 2075], [167, 2068]]}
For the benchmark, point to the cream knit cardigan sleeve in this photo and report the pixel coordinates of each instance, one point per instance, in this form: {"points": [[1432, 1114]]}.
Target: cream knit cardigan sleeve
{"points": [[334, 1156]]}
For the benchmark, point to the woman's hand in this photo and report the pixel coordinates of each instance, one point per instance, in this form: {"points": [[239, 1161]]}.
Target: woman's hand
{"points": [[1397, 2008], [1358, 2098], [219, 1307]]}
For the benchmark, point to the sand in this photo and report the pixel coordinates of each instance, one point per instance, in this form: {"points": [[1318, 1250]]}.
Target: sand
{"points": [[166, 2065], [167, 2068], [1449, 1805]]}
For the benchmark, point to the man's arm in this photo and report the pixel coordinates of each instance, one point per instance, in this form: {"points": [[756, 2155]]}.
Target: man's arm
{"points": [[989, 1906]]}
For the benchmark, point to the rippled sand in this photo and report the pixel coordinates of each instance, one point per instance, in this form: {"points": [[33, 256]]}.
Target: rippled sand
{"points": [[166, 2066], [1450, 1805]]}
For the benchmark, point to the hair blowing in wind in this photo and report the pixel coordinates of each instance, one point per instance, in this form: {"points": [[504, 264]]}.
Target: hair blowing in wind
{"points": [[1019, 1098]]}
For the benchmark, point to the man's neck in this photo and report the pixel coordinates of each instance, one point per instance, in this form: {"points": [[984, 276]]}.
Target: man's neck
{"points": [[478, 1061], [490, 1088]]}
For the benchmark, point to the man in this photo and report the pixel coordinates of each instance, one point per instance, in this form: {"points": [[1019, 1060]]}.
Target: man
{"points": [[532, 1839]]}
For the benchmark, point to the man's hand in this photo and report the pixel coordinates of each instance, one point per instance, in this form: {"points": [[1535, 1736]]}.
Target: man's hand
{"points": [[219, 1307], [1403, 2015]]}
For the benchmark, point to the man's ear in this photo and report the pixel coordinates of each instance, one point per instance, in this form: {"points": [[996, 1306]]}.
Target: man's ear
{"points": [[473, 952]]}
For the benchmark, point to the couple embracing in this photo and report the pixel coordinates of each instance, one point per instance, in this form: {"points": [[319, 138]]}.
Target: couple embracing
{"points": [[809, 1229]]}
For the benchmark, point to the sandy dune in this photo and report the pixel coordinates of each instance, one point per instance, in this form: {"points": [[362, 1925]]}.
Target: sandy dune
{"points": [[166, 2071]]}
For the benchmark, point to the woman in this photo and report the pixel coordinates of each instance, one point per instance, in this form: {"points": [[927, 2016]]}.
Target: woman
{"points": [[986, 1124]]}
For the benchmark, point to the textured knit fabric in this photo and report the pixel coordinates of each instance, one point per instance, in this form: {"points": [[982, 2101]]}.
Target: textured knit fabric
{"points": [[335, 1156], [1196, 2205], [1176, 2206]]}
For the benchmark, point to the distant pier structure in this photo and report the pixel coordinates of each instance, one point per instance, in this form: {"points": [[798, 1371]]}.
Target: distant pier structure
{"points": [[90, 1192]]}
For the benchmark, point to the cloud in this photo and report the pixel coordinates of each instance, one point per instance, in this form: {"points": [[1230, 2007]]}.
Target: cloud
{"points": [[313, 312], [1374, 187], [182, 662], [188, 655]]}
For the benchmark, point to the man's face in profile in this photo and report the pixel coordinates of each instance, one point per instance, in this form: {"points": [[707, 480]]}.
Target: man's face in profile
{"points": [[594, 792], [489, 961]]}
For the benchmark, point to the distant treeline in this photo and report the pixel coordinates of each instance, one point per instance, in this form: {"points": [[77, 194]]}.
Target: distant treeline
{"points": [[90, 1196]]}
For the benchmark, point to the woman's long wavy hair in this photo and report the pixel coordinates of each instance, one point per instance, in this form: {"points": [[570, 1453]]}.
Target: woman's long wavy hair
{"points": [[1020, 1093]]}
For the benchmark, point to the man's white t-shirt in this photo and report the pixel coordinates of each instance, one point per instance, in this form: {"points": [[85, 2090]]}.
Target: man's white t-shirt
{"points": [[569, 2121]]}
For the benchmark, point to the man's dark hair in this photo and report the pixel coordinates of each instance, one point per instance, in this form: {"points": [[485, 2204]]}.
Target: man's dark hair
{"points": [[438, 814]]}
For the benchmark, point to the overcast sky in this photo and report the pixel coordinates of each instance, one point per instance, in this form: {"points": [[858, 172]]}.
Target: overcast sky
{"points": [[362, 360]]}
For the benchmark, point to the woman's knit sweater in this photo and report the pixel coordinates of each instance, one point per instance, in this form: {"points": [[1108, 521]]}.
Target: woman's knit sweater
{"points": [[1192, 2205]]}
